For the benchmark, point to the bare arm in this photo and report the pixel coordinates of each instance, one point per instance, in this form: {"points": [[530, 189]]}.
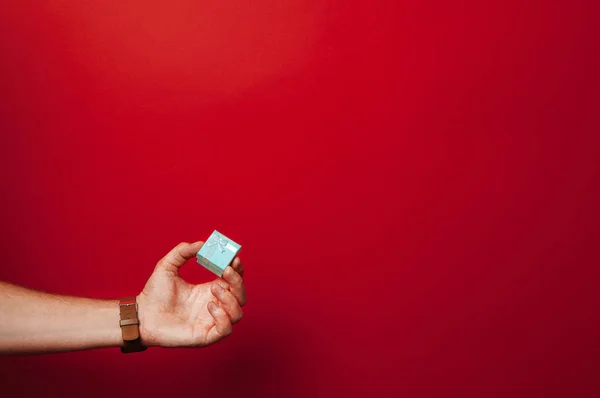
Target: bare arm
{"points": [[172, 312], [36, 322]]}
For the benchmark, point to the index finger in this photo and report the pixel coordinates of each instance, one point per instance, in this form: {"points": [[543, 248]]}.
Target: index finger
{"points": [[238, 266], [236, 285]]}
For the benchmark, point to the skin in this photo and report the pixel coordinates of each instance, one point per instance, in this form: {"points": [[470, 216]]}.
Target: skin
{"points": [[172, 312]]}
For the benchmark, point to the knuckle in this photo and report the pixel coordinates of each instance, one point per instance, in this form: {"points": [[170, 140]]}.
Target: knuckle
{"points": [[243, 298], [162, 266], [223, 284], [235, 278], [239, 269], [177, 249]]}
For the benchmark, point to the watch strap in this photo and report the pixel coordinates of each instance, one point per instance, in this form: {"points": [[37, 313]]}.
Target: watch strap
{"points": [[129, 323]]}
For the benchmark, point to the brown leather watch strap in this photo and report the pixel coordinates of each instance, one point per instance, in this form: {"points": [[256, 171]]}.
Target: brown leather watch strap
{"points": [[130, 326]]}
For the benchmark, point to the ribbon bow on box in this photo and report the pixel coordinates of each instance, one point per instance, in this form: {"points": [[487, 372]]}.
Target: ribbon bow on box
{"points": [[215, 241]]}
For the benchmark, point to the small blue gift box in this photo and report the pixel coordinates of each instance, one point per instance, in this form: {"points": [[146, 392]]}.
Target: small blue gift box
{"points": [[217, 253]]}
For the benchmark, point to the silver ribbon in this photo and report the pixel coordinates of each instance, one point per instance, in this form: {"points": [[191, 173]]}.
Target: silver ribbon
{"points": [[215, 241]]}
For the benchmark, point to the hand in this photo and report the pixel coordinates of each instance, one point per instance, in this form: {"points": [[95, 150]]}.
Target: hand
{"points": [[174, 313]]}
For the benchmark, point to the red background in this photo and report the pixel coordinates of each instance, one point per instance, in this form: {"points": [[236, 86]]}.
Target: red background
{"points": [[415, 185]]}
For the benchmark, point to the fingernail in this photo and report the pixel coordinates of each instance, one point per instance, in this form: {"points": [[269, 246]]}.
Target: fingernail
{"points": [[212, 306], [218, 288]]}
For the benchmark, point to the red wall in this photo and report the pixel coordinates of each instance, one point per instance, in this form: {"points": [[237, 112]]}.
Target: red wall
{"points": [[415, 185]]}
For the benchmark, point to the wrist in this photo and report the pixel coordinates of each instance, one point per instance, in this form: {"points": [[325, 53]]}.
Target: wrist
{"points": [[130, 325], [142, 308]]}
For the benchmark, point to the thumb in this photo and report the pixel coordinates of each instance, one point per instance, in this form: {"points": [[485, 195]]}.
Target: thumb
{"points": [[180, 254]]}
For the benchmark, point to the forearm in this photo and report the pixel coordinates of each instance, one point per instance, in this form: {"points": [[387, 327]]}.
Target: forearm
{"points": [[37, 322]]}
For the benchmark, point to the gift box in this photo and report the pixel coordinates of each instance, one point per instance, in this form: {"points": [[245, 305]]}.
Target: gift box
{"points": [[217, 253]]}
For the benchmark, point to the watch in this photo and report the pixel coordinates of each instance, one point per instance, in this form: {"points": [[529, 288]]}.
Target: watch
{"points": [[129, 323]]}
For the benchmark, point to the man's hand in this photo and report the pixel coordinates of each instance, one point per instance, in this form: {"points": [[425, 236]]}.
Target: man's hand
{"points": [[174, 313]]}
